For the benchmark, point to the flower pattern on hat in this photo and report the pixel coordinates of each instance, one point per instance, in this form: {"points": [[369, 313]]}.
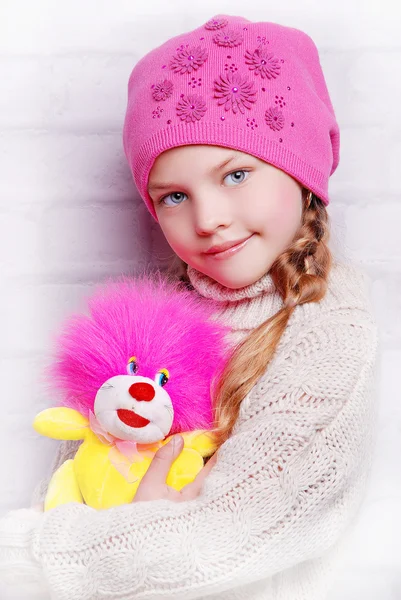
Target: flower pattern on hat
{"points": [[263, 63], [228, 38], [274, 118], [189, 59], [216, 23], [191, 108], [234, 91], [162, 90]]}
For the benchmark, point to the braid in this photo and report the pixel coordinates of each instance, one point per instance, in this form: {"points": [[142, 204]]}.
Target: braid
{"points": [[300, 272]]}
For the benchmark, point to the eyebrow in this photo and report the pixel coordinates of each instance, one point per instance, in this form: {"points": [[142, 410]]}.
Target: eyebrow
{"points": [[167, 184]]}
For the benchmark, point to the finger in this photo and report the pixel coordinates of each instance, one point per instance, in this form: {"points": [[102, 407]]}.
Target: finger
{"points": [[161, 463], [192, 490]]}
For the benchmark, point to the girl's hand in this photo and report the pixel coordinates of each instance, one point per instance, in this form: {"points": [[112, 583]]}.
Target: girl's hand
{"points": [[153, 485]]}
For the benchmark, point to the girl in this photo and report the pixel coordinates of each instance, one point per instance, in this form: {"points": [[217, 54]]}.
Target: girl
{"points": [[231, 138]]}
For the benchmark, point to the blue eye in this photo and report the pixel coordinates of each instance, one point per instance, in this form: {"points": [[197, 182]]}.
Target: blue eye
{"points": [[161, 201], [132, 366], [235, 173], [163, 377]]}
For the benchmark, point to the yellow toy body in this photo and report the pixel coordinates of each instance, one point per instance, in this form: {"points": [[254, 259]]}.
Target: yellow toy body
{"points": [[91, 477]]}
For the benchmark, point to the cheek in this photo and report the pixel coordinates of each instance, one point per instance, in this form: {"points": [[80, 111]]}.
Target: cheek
{"points": [[176, 236], [284, 217]]}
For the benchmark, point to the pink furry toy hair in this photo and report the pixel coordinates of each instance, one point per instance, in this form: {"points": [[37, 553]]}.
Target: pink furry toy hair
{"points": [[162, 324]]}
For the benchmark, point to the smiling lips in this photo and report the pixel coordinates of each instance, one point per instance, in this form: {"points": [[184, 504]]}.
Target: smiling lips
{"points": [[226, 246], [132, 419]]}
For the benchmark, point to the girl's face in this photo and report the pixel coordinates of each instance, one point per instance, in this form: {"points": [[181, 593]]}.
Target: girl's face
{"points": [[201, 203]]}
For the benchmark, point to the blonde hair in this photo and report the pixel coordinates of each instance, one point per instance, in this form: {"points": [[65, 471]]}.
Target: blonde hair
{"points": [[300, 275]]}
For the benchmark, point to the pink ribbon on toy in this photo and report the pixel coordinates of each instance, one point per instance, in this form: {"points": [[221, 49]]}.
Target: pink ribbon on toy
{"points": [[127, 448]]}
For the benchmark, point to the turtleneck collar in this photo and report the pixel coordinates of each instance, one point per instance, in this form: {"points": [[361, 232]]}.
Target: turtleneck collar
{"points": [[210, 288], [241, 309]]}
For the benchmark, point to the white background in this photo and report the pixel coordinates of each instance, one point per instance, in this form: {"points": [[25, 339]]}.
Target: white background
{"points": [[70, 215]]}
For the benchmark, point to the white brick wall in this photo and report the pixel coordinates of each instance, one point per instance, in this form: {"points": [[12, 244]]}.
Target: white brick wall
{"points": [[70, 215]]}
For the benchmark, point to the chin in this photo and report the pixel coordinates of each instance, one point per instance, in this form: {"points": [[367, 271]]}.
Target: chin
{"points": [[238, 280], [241, 273]]}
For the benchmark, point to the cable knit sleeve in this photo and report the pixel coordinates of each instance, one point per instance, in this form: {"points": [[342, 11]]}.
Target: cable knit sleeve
{"points": [[285, 486]]}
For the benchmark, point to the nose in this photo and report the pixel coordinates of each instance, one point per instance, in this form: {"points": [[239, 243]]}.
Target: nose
{"points": [[142, 391], [210, 213]]}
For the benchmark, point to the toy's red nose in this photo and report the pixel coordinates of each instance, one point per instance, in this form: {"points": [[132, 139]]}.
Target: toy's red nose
{"points": [[142, 391]]}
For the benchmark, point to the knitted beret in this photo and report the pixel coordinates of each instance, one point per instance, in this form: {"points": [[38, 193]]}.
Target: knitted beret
{"points": [[254, 87]]}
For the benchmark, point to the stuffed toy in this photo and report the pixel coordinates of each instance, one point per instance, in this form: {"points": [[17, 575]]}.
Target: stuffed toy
{"points": [[134, 372]]}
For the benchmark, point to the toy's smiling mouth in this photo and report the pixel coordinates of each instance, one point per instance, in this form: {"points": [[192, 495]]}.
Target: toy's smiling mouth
{"points": [[129, 417]]}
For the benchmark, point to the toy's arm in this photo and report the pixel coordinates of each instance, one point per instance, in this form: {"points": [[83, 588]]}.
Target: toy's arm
{"points": [[61, 423], [64, 424], [200, 440]]}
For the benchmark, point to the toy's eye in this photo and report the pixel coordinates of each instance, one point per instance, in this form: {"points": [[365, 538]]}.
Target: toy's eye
{"points": [[132, 366], [162, 377]]}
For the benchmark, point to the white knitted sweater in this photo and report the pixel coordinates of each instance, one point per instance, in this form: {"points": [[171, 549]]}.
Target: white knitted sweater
{"points": [[276, 506]]}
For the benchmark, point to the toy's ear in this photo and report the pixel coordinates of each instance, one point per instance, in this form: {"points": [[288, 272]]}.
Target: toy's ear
{"points": [[61, 423]]}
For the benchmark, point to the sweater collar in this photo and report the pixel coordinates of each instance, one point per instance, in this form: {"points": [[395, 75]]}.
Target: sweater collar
{"points": [[244, 308], [210, 288]]}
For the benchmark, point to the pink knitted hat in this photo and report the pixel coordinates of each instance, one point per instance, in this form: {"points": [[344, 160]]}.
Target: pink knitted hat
{"points": [[254, 87]]}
